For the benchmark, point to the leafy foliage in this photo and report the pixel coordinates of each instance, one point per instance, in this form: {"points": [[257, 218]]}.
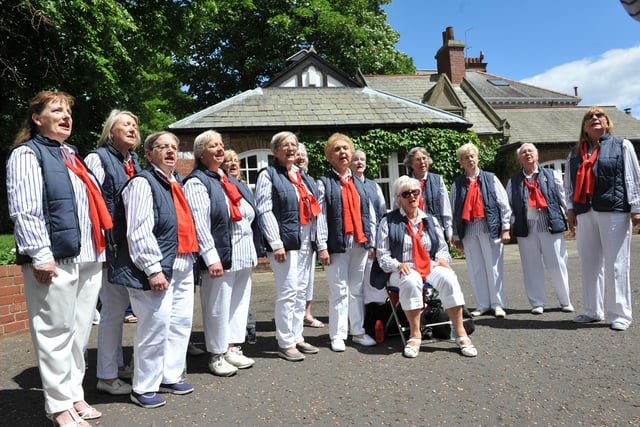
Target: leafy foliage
{"points": [[379, 144], [7, 249]]}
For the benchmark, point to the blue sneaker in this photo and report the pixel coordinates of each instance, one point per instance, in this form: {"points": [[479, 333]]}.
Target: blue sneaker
{"points": [[147, 400], [177, 388]]}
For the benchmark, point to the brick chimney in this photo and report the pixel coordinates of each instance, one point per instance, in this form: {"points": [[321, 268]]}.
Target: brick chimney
{"points": [[477, 64], [450, 57]]}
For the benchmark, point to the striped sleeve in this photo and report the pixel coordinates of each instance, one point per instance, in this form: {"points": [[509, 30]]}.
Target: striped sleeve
{"points": [[200, 204]]}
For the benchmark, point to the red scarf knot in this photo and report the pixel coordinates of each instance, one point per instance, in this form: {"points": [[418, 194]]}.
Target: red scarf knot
{"points": [[421, 259], [308, 204], [234, 196], [536, 198], [473, 205], [585, 178], [98, 212], [351, 214]]}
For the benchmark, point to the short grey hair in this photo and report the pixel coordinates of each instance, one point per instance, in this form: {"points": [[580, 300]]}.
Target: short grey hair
{"points": [[519, 150], [279, 137], [402, 184], [200, 142], [151, 139], [408, 159]]}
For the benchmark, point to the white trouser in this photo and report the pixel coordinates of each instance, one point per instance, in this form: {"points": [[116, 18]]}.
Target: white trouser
{"points": [[371, 294], [60, 316], [442, 279], [115, 300], [312, 263], [225, 307], [541, 250], [162, 334], [604, 245], [292, 280], [484, 262], [345, 275]]}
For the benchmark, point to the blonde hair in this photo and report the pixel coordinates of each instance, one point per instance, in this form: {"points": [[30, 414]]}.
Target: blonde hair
{"points": [[112, 119], [467, 148], [228, 155], [333, 140], [200, 142], [587, 116]]}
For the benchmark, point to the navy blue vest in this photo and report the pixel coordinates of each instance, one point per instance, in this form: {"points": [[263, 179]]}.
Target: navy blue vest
{"points": [[122, 270], [58, 200], [431, 196], [371, 188], [489, 199], [219, 214], [333, 203], [115, 177], [610, 193], [520, 203], [397, 231]]}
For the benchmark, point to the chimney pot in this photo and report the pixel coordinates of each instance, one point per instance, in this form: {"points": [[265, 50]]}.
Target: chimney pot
{"points": [[575, 90]]}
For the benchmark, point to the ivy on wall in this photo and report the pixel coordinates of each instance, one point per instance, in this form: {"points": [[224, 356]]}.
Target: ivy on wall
{"points": [[379, 144]]}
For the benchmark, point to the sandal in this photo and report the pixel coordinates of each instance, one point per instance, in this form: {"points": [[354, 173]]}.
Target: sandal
{"points": [[411, 351], [88, 412], [315, 323], [468, 350], [77, 422], [130, 318]]}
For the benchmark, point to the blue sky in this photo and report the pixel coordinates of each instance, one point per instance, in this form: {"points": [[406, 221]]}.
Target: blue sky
{"points": [[592, 44]]}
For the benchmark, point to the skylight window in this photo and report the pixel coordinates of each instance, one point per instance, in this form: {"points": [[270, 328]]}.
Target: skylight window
{"points": [[498, 82]]}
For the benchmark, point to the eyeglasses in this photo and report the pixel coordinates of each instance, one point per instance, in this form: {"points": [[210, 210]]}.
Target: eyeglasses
{"points": [[596, 115], [165, 147], [288, 145], [410, 193]]}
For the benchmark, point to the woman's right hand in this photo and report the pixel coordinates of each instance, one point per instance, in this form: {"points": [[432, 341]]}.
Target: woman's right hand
{"points": [[44, 273], [572, 221], [280, 255]]}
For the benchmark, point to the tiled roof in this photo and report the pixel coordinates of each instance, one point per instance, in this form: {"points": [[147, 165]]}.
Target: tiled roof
{"points": [[414, 87], [291, 108], [504, 91], [562, 124]]}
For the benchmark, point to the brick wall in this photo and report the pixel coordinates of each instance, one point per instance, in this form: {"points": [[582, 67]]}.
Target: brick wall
{"points": [[13, 304]]}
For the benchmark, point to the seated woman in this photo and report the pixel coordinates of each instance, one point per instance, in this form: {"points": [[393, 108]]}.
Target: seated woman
{"points": [[411, 247]]}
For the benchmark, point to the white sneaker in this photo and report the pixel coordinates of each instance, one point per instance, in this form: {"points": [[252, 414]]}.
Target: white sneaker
{"points": [[337, 345], [499, 312], [364, 340], [220, 367], [235, 357], [116, 388], [567, 308], [537, 310]]}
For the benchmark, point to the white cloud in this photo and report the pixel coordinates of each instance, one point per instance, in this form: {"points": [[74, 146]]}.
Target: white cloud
{"points": [[610, 79]]}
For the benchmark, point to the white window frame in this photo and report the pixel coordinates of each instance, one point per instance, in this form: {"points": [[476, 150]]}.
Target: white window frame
{"points": [[263, 157]]}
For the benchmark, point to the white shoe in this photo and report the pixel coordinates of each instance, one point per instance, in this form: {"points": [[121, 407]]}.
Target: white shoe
{"points": [[479, 311], [337, 345], [116, 388], [220, 367], [364, 340], [567, 308], [536, 310], [235, 357], [499, 312]]}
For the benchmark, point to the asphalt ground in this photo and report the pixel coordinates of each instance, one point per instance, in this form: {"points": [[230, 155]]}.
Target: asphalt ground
{"points": [[531, 370]]}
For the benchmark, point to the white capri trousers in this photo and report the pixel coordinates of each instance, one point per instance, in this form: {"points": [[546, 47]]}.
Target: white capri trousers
{"points": [[60, 316], [442, 279], [345, 275], [292, 282], [604, 245], [162, 333], [225, 307], [115, 300], [540, 250]]}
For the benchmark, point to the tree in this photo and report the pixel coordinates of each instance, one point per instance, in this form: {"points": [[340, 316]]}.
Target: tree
{"points": [[246, 42]]}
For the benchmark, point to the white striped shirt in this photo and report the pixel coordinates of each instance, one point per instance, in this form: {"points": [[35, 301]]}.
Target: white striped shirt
{"points": [[267, 220], [383, 250], [538, 219], [94, 164], [143, 246], [479, 225], [25, 188], [243, 254]]}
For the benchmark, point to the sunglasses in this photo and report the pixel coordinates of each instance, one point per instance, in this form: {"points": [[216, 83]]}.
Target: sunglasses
{"points": [[410, 193], [596, 115]]}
